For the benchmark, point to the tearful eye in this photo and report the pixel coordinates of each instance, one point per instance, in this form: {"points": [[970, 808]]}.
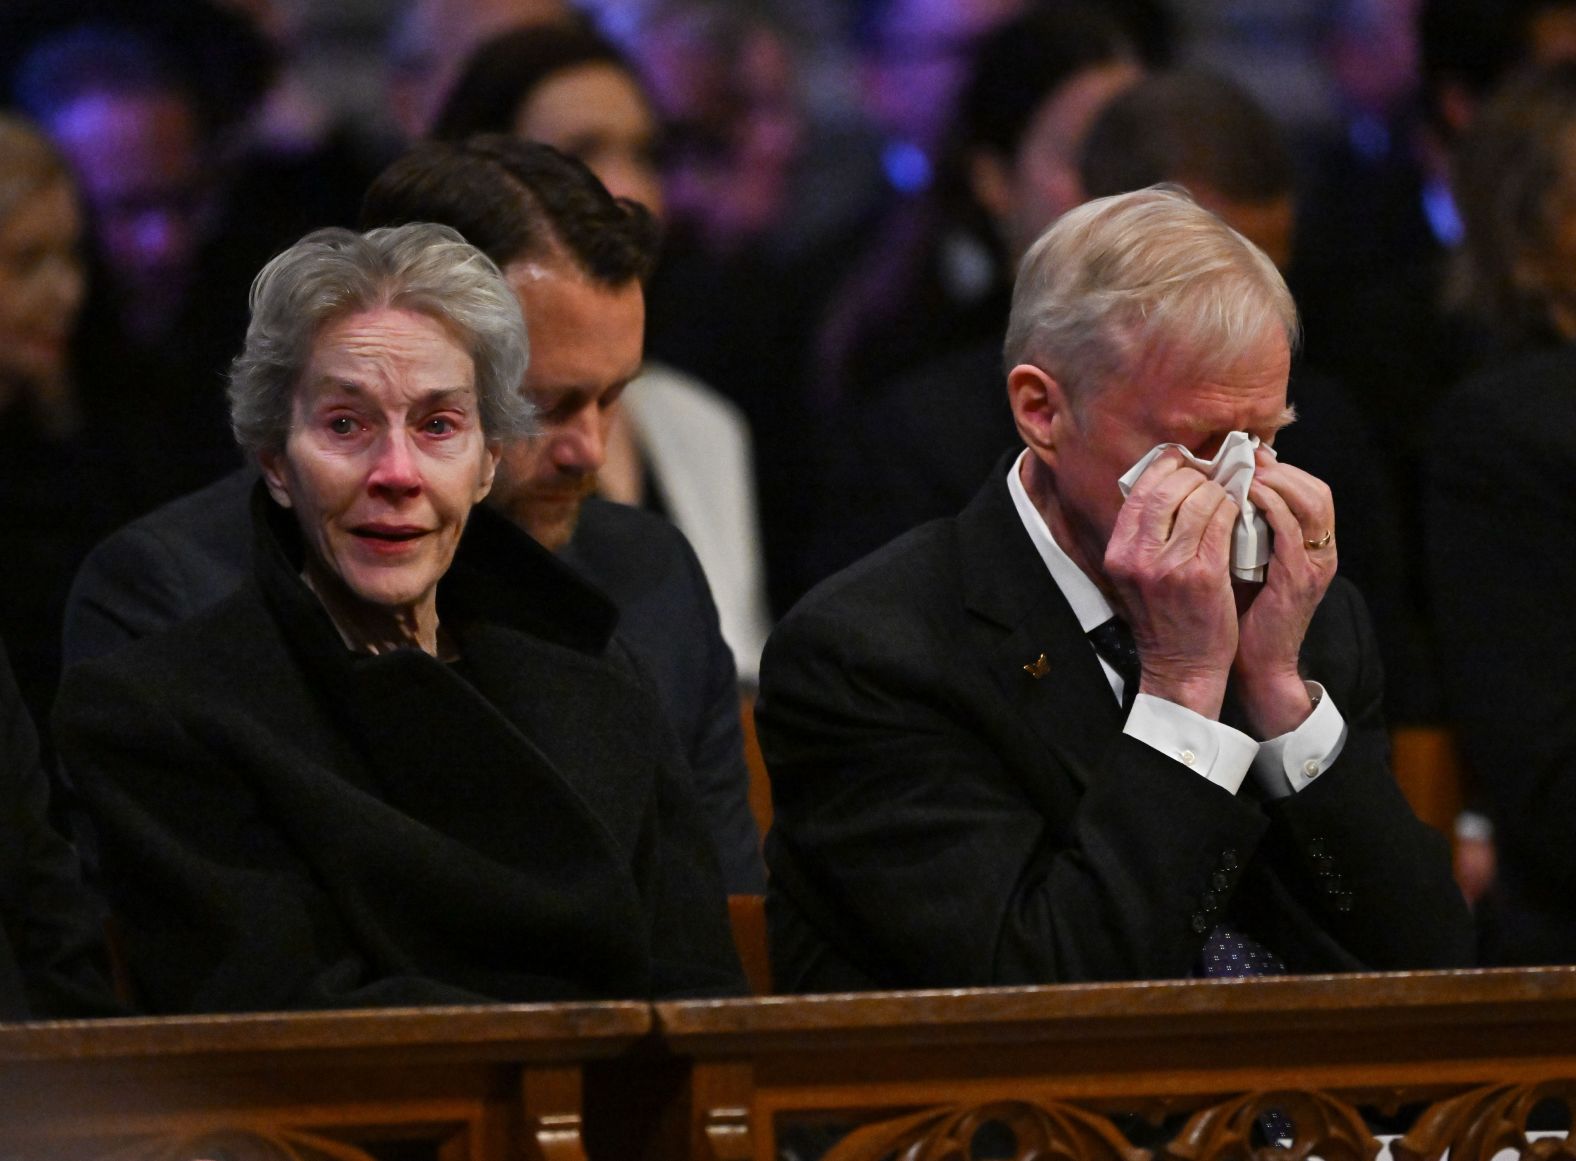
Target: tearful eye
{"points": [[438, 425], [342, 425]]}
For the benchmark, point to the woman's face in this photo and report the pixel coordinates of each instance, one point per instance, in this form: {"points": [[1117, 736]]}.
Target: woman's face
{"points": [[385, 456], [41, 282], [597, 113]]}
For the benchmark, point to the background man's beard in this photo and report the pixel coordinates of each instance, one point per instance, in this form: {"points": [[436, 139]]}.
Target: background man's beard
{"points": [[550, 515]]}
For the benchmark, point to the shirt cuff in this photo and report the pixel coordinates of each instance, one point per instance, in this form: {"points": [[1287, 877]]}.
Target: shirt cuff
{"points": [[1207, 747], [1290, 762]]}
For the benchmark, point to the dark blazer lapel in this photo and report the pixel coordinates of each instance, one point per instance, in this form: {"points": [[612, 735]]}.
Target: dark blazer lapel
{"points": [[1007, 586]]}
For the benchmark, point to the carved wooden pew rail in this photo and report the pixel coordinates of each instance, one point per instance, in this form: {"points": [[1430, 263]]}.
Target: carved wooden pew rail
{"points": [[441, 1084], [1166, 1071]]}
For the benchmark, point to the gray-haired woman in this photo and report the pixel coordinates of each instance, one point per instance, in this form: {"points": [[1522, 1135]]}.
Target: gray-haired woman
{"points": [[403, 764]]}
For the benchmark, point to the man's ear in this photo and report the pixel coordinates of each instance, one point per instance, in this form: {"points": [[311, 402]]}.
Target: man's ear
{"points": [[273, 467], [1039, 408]]}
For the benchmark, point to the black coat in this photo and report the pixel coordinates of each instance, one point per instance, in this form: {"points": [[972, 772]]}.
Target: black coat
{"points": [[286, 824], [193, 552], [945, 819], [1502, 562], [51, 929]]}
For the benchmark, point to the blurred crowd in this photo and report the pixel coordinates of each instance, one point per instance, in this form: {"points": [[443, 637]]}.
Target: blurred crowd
{"points": [[845, 188]]}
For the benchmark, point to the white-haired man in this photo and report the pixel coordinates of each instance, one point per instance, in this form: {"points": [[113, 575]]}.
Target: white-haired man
{"points": [[1053, 738]]}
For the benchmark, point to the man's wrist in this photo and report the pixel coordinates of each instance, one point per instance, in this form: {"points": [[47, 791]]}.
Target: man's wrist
{"points": [[1202, 695], [1275, 706]]}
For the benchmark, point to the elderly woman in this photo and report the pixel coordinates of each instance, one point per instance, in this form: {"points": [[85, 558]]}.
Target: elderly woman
{"points": [[403, 764]]}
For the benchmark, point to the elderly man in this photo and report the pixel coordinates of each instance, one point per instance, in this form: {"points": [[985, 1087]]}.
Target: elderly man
{"points": [[575, 258], [1052, 738]]}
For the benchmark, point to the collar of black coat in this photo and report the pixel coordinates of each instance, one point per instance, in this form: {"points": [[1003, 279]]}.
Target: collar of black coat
{"points": [[1005, 580], [499, 575]]}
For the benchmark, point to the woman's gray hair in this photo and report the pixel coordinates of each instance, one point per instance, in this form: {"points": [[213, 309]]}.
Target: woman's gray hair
{"points": [[1139, 275], [330, 274]]}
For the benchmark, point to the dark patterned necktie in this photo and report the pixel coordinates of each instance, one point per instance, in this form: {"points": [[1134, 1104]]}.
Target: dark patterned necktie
{"points": [[1228, 952], [1113, 641]]}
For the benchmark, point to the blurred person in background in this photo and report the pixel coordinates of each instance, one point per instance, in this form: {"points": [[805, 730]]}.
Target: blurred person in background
{"points": [[432, 39], [254, 147], [671, 443], [138, 137], [723, 75], [1501, 512], [770, 184], [1377, 234], [915, 347], [56, 495], [150, 105], [913, 57], [937, 276]]}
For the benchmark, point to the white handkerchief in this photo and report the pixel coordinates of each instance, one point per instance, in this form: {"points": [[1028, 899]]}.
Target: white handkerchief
{"points": [[1232, 469]]}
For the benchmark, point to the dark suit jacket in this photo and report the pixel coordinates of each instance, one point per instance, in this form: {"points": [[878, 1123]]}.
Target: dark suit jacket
{"points": [[188, 555], [284, 823], [51, 929], [945, 819], [1502, 562]]}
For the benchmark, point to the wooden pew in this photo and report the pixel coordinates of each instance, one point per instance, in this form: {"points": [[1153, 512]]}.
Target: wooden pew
{"points": [[451, 1084], [1192, 1063], [1164, 1071]]}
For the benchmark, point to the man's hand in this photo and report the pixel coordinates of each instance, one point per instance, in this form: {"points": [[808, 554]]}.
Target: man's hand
{"points": [[1167, 560], [1299, 510]]}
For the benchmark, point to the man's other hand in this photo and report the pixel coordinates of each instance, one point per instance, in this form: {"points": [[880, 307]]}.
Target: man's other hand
{"points": [[1298, 509]]}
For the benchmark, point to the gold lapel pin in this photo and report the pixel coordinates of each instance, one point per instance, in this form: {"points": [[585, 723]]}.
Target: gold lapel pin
{"points": [[1038, 668]]}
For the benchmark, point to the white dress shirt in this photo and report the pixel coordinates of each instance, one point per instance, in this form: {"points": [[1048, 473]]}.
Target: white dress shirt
{"points": [[1224, 755]]}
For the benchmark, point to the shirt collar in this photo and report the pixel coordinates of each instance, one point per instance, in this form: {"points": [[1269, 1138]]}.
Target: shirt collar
{"points": [[1088, 602]]}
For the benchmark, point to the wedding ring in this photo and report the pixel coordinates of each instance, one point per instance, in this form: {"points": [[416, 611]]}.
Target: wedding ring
{"points": [[1328, 536]]}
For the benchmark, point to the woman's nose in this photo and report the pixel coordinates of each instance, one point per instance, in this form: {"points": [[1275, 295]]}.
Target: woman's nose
{"points": [[394, 468]]}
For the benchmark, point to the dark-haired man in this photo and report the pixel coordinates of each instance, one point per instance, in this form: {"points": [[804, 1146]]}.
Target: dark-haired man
{"points": [[576, 257]]}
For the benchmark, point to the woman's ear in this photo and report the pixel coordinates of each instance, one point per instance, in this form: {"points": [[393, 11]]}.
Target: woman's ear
{"points": [[490, 454], [1039, 408], [275, 467]]}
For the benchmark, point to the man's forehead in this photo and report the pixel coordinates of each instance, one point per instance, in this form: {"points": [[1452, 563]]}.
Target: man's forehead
{"points": [[1269, 421]]}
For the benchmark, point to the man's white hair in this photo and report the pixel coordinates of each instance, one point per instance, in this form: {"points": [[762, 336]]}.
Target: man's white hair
{"points": [[1125, 278]]}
